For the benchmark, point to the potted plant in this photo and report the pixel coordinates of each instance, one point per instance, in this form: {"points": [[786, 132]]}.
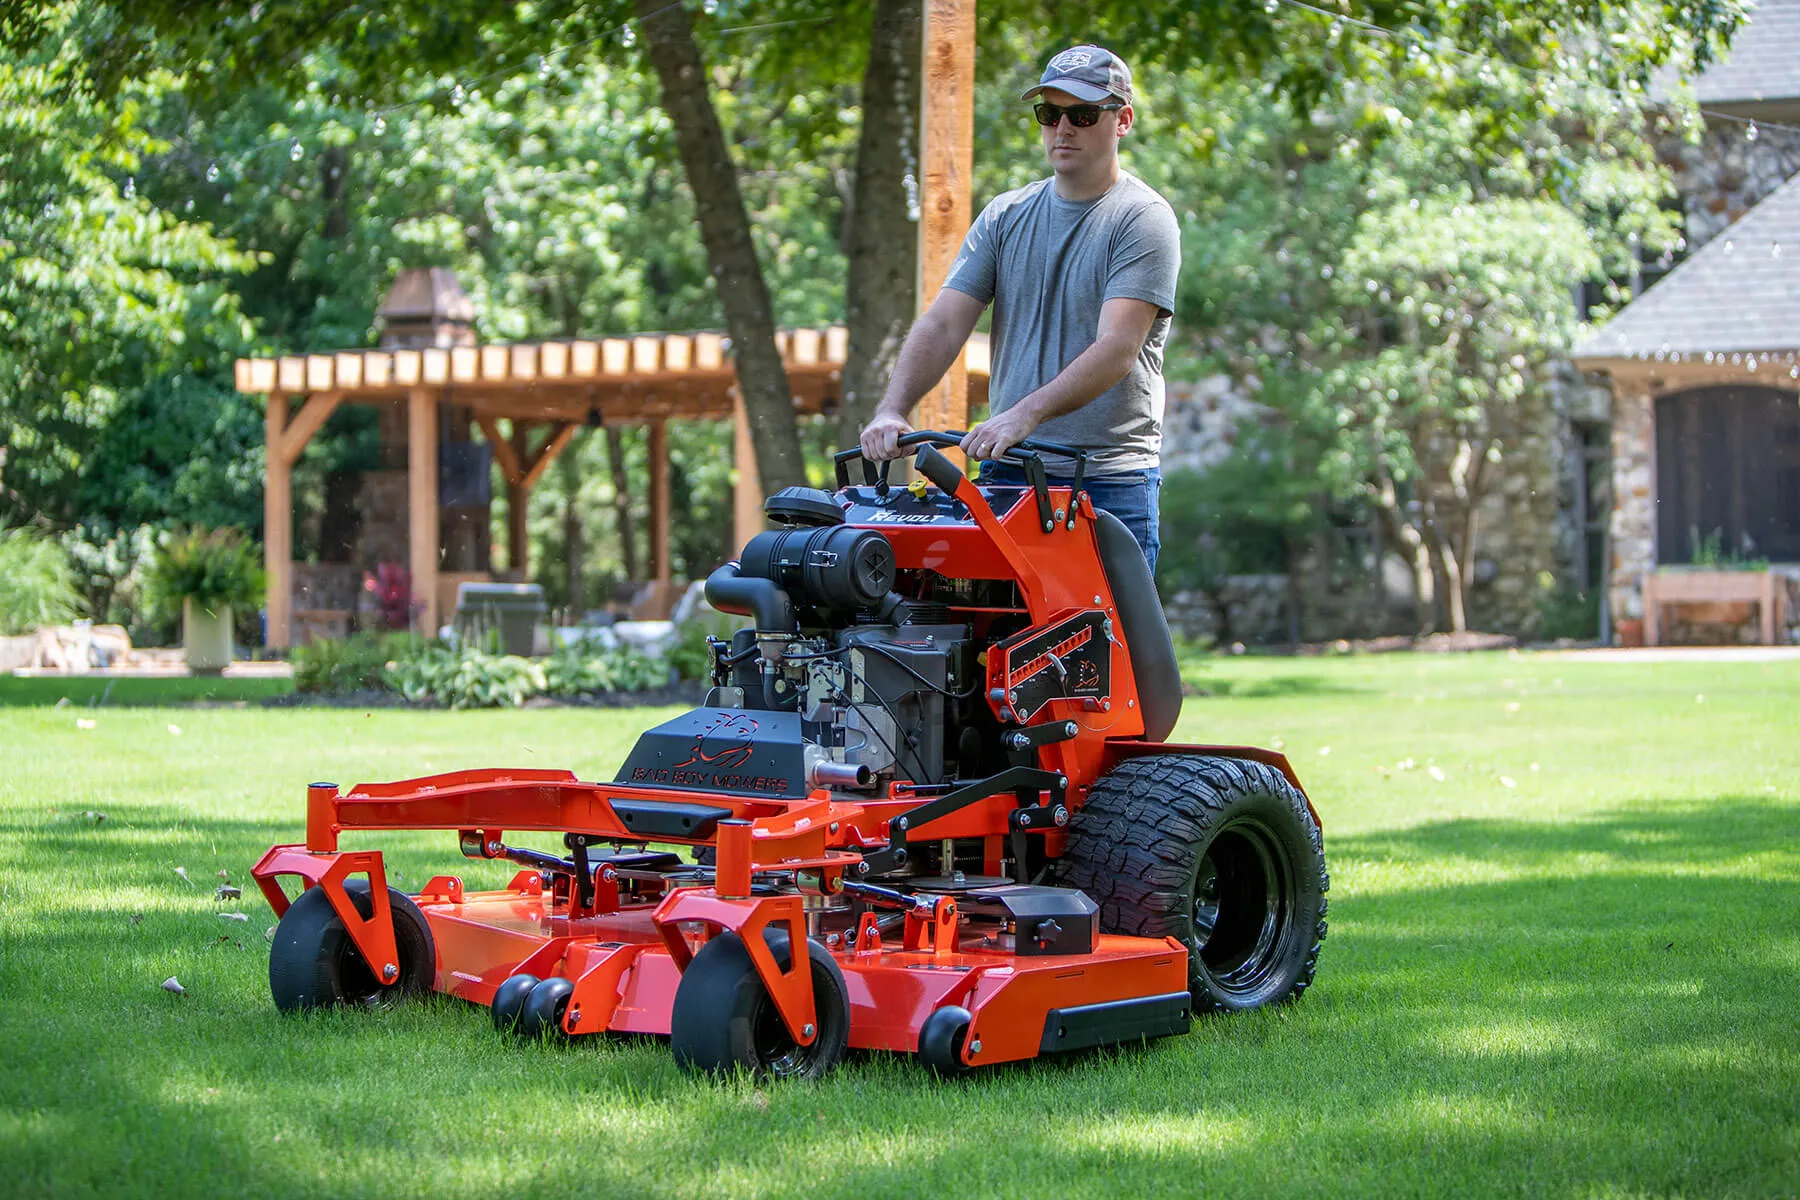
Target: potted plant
{"points": [[209, 571]]}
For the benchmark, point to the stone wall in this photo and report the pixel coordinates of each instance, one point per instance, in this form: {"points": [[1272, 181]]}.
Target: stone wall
{"points": [[1726, 174], [1528, 529], [1632, 528]]}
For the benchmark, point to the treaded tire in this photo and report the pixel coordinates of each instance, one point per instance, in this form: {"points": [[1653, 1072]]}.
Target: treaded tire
{"points": [[1221, 853], [724, 1019], [314, 964]]}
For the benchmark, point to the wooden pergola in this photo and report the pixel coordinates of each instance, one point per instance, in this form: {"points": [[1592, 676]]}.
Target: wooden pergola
{"points": [[548, 390]]}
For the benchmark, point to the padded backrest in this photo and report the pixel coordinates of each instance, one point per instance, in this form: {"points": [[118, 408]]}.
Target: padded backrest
{"points": [[1141, 620]]}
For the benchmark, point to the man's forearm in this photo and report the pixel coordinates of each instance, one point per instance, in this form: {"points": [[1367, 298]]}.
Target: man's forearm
{"points": [[1094, 370]]}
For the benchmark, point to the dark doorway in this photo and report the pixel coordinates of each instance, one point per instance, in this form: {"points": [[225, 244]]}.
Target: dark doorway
{"points": [[1728, 475]]}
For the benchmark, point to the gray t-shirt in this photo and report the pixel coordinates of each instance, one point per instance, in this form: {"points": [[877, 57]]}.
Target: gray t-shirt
{"points": [[1047, 265]]}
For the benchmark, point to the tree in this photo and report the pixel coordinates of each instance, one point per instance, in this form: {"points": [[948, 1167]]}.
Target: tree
{"points": [[1480, 294], [378, 55], [99, 289], [1403, 247]]}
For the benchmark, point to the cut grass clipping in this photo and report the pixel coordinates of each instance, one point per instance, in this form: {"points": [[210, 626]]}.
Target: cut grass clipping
{"points": [[1564, 954]]}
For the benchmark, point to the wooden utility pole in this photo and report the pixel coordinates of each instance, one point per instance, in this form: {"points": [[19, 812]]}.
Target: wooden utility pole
{"points": [[947, 157]]}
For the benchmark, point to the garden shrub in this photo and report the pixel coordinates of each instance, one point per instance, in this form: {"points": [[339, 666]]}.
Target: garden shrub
{"points": [[466, 677], [37, 586], [357, 663]]}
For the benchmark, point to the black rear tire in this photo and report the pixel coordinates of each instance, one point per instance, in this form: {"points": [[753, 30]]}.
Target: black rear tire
{"points": [[724, 1019], [313, 963], [1221, 853]]}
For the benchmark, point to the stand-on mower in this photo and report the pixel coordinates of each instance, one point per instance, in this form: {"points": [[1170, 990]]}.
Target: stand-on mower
{"points": [[929, 804]]}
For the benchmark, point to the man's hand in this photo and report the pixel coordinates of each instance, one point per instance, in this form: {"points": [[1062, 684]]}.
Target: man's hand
{"points": [[881, 436], [996, 435]]}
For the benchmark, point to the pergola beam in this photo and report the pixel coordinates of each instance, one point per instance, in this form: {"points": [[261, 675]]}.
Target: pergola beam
{"points": [[502, 449], [546, 454], [310, 419]]}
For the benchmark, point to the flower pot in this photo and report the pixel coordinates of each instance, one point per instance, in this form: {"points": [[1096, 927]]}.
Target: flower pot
{"points": [[1630, 632], [206, 637]]}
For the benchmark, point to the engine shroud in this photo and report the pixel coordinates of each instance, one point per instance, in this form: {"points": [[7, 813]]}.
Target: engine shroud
{"points": [[758, 753]]}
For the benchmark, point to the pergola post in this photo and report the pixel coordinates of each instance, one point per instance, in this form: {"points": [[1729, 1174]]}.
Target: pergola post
{"points": [[518, 506], [422, 503], [278, 528], [746, 493], [947, 162], [659, 503]]}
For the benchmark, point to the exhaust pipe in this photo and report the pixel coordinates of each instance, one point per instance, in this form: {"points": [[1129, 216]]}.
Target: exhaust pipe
{"points": [[825, 773]]}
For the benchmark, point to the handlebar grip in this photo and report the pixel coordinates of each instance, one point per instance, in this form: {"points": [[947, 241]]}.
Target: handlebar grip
{"points": [[939, 469]]}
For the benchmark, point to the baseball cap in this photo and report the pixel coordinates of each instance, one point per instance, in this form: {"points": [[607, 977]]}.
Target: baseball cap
{"points": [[1090, 73]]}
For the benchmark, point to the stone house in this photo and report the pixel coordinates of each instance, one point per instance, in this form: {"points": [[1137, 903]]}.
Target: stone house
{"points": [[1704, 365], [1580, 504]]}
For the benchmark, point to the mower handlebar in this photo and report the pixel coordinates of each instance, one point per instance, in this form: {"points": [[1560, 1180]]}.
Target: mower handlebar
{"points": [[1024, 453], [940, 471]]}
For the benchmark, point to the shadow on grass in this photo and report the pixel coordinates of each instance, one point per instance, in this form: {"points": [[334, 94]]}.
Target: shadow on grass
{"points": [[1594, 1007], [123, 691]]}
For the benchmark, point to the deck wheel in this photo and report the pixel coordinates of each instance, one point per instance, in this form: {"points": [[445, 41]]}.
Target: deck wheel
{"points": [[941, 1040], [313, 963], [509, 1002], [542, 1015], [724, 1019]]}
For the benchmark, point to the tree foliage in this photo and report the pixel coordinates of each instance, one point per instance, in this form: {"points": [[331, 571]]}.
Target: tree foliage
{"points": [[100, 289]]}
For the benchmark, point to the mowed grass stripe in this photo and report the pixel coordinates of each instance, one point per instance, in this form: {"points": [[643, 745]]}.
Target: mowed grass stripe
{"points": [[1580, 984]]}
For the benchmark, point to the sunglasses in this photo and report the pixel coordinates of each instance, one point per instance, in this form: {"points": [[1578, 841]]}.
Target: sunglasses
{"points": [[1081, 116]]}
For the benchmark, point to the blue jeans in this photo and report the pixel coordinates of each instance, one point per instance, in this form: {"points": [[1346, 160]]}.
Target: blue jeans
{"points": [[1131, 496]]}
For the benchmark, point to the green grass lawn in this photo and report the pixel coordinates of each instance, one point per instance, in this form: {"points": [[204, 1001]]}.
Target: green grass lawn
{"points": [[1567, 967]]}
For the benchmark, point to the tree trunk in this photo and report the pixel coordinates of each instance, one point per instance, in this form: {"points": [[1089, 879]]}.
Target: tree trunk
{"points": [[615, 458], [881, 280], [1409, 543], [1455, 587], [725, 230], [334, 167]]}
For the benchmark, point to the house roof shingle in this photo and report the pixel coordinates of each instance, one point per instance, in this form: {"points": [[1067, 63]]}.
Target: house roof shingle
{"points": [[1764, 60], [1741, 291]]}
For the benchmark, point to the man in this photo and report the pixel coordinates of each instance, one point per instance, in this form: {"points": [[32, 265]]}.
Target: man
{"points": [[1081, 271]]}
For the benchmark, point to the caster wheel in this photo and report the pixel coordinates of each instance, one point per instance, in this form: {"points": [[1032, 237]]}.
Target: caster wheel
{"points": [[509, 1002], [724, 1018], [314, 964], [941, 1040], [544, 1008]]}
